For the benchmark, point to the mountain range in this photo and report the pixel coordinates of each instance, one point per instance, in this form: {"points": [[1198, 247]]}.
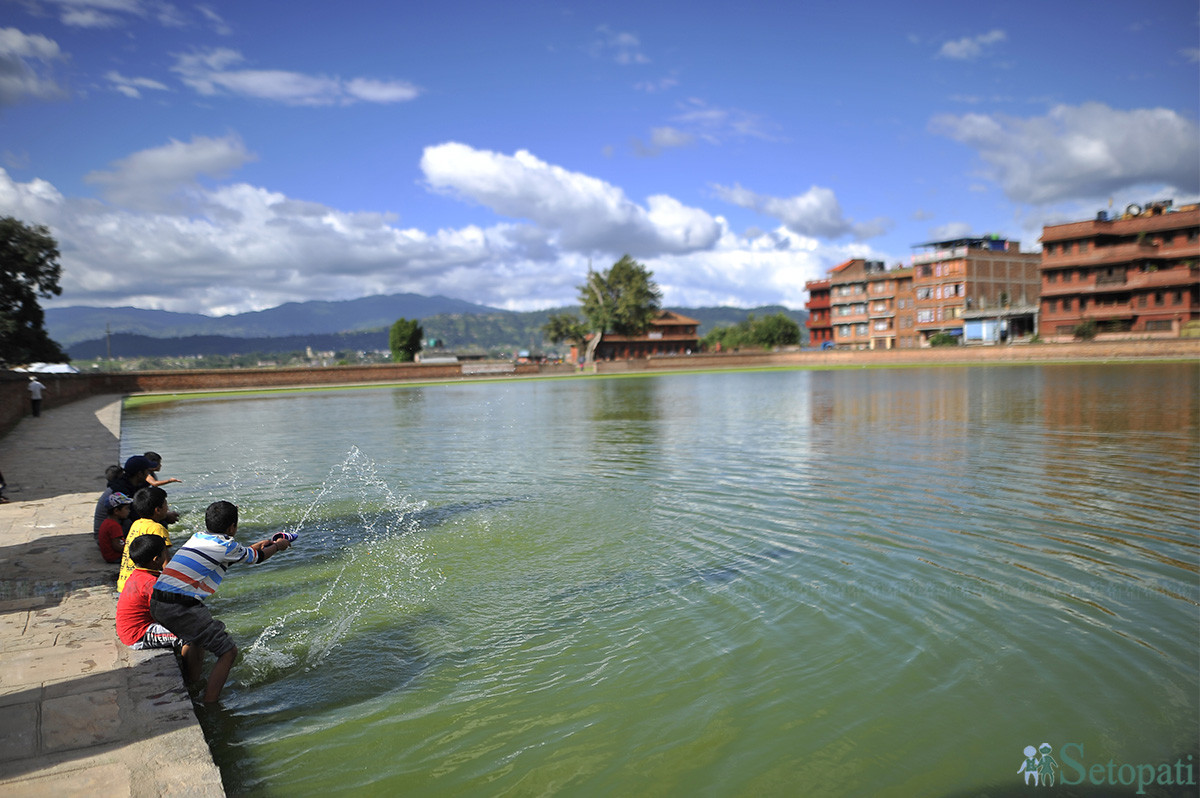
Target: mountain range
{"points": [[357, 324]]}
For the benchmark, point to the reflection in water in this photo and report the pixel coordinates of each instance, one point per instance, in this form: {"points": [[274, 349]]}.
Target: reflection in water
{"points": [[841, 582]]}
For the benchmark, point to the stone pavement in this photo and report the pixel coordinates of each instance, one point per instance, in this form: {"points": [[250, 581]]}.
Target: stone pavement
{"points": [[82, 714]]}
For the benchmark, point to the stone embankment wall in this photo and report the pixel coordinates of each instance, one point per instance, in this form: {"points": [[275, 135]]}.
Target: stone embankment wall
{"points": [[1017, 353], [64, 388]]}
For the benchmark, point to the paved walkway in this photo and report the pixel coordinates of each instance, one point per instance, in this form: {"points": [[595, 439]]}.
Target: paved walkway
{"points": [[82, 714]]}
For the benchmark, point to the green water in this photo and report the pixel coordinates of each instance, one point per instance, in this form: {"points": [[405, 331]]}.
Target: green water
{"points": [[886, 582]]}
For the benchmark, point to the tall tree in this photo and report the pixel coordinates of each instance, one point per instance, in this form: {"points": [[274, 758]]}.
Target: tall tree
{"points": [[29, 269], [404, 340], [623, 300], [564, 327]]}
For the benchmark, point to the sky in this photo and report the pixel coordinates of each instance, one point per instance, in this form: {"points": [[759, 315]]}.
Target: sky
{"points": [[226, 157]]}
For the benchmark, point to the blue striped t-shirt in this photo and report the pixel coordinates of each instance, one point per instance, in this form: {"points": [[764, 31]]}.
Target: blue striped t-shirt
{"points": [[198, 567]]}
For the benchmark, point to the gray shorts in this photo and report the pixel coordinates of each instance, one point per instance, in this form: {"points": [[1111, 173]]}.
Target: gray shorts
{"points": [[193, 624]]}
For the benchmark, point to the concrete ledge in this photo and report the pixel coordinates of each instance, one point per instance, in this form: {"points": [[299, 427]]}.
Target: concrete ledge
{"points": [[83, 714]]}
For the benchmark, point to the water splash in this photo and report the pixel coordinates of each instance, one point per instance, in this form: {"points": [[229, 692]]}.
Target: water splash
{"points": [[363, 533]]}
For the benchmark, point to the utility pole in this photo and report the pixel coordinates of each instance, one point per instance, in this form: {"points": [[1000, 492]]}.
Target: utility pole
{"points": [[107, 342]]}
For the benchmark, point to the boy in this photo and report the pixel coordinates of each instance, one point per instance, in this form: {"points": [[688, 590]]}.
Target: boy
{"points": [[194, 574], [135, 626], [111, 536], [111, 474], [150, 508], [152, 477]]}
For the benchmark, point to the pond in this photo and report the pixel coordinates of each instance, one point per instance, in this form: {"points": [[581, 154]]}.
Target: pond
{"points": [[854, 582]]}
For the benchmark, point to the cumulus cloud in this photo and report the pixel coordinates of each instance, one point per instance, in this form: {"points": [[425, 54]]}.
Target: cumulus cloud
{"points": [[238, 247], [584, 213], [815, 213], [213, 72], [24, 67], [161, 178], [1081, 152], [971, 47]]}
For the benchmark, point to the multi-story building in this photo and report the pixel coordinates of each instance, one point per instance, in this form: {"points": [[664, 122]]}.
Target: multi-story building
{"points": [[862, 305], [988, 273], [1137, 274], [820, 329], [890, 308]]}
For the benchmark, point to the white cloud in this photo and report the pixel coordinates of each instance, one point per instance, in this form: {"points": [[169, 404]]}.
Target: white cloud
{"points": [[23, 67], [584, 213], [971, 47], [210, 73], [239, 247], [132, 87], [622, 47], [663, 138], [1081, 152], [951, 230], [717, 125], [655, 86], [815, 213], [162, 178]]}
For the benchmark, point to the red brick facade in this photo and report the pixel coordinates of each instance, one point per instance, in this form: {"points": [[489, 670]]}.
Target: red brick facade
{"points": [[1134, 275]]}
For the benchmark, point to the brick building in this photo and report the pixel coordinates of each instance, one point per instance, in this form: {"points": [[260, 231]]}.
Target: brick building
{"points": [[862, 305], [1137, 274], [669, 333], [959, 275], [820, 328]]}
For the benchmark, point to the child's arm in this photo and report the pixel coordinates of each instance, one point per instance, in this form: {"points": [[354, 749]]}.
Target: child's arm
{"points": [[158, 483], [267, 548]]}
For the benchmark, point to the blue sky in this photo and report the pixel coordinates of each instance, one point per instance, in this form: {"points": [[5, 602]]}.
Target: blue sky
{"points": [[226, 157]]}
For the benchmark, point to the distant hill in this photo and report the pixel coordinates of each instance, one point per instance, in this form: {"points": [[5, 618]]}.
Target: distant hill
{"points": [[353, 325], [69, 326]]}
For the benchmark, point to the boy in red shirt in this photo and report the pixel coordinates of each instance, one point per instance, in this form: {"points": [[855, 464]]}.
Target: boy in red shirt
{"points": [[111, 535], [135, 626]]}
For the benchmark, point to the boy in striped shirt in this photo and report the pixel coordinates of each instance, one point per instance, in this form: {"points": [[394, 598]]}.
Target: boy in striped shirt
{"points": [[194, 574]]}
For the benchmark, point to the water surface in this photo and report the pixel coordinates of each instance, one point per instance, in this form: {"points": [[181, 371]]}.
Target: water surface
{"points": [[877, 582]]}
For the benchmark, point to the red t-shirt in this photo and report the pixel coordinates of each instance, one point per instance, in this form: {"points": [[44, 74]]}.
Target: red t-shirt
{"points": [[111, 538], [133, 606]]}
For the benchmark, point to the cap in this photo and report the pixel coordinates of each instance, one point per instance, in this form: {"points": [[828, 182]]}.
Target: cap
{"points": [[137, 463], [118, 499]]}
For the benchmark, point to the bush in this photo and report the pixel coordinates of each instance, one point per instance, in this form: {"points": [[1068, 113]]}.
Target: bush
{"points": [[1085, 330], [943, 339]]}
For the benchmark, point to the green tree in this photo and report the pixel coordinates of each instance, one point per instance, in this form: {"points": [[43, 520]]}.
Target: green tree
{"points": [[943, 339], [564, 327], [623, 300], [404, 339], [29, 269], [766, 333]]}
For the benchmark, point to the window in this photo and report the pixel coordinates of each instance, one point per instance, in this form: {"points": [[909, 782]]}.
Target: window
{"points": [[1142, 301], [924, 293], [1158, 325], [1178, 297], [1052, 277], [1049, 249], [1158, 297], [860, 329], [1083, 247], [1051, 305], [924, 316]]}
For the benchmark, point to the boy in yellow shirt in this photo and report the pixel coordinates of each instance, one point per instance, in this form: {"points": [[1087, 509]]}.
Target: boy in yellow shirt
{"points": [[150, 507]]}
